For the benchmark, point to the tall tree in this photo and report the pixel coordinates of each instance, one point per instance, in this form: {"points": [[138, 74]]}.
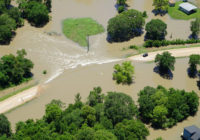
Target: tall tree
{"points": [[165, 62], [195, 27], [4, 126], [161, 5], [193, 62]]}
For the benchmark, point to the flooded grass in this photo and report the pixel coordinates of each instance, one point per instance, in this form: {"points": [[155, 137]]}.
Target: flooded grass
{"points": [[78, 29], [175, 13]]}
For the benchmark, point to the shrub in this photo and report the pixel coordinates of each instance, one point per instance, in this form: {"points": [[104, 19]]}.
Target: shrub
{"points": [[121, 9]]}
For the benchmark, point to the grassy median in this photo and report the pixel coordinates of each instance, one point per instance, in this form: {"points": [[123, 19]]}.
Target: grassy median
{"points": [[78, 29]]}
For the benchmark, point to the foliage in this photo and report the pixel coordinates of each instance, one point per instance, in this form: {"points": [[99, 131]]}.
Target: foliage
{"points": [[121, 9], [121, 2], [156, 30], [125, 25], [161, 5], [165, 62], [80, 122], [164, 108], [16, 15], [128, 130], [7, 25], [119, 106], [14, 69], [195, 27], [95, 97], [79, 29], [193, 62], [48, 4], [175, 13], [158, 43], [124, 73], [4, 126]]}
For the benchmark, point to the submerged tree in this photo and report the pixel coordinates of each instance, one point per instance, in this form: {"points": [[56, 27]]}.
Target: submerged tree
{"points": [[195, 27], [161, 5], [165, 62], [193, 62]]}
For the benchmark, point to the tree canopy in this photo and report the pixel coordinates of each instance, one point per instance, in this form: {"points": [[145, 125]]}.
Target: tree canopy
{"points": [[164, 108], [125, 25], [194, 60], [195, 27], [14, 69], [156, 30], [110, 118], [165, 62], [161, 5], [124, 73]]}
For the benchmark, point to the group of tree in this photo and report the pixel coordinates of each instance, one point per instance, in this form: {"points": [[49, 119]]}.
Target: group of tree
{"points": [[125, 25], [195, 28], [165, 62], [161, 6], [163, 108], [194, 60], [102, 117], [14, 69], [35, 11], [124, 73]]}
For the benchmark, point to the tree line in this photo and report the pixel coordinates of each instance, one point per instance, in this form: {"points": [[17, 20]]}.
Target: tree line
{"points": [[101, 117], [35, 11]]}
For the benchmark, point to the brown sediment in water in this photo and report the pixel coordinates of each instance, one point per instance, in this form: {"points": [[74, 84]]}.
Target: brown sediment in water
{"points": [[57, 54]]}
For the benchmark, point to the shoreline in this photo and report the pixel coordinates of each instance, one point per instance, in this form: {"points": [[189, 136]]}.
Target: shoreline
{"points": [[19, 99]]}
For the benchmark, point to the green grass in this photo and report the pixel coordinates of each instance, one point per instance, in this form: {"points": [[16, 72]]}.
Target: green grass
{"points": [[15, 92], [175, 13], [78, 29]]}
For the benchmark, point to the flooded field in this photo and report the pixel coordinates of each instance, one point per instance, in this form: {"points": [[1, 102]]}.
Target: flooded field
{"points": [[58, 56]]}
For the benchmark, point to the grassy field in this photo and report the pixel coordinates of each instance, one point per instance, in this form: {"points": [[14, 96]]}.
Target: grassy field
{"points": [[78, 29], [175, 13]]}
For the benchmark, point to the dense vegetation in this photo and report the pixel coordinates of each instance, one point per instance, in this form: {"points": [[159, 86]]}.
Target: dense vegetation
{"points": [[110, 117], [14, 69], [79, 29], [125, 26], [35, 11], [159, 43], [161, 5], [156, 29], [124, 73], [164, 108], [193, 62], [165, 62], [11, 17]]}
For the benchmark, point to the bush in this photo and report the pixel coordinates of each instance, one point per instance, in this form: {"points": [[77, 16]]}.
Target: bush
{"points": [[124, 73], [159, 43], [144, 14]]}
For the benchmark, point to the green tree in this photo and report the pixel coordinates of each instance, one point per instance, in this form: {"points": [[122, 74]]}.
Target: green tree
{"points": [[119, 106], [193, 62], [124, 73], [156, 30], [88, 114], [160, 116], [48, 4], [121, 2], [104, 135], [95, 97], [125, 25], [161, 5], [4, 126], [165, 62], [86, 133], [131, 130], [53, 112], [195, 27], [16, 15]]}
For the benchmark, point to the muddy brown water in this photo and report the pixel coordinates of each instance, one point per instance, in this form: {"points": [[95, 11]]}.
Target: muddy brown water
{"points": [[58, 55]]}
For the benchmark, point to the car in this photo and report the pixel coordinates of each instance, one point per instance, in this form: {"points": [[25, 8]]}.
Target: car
{"points": [[145, 55]]}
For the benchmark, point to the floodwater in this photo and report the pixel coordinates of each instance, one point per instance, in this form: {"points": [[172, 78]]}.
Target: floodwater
{"points": [[58, 56]]}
